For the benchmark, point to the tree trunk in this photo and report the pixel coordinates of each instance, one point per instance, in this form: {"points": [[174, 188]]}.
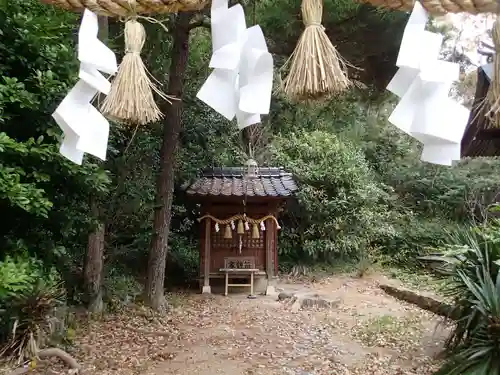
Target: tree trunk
{"points": [[92, 273], [93, 264], [154, 293]]}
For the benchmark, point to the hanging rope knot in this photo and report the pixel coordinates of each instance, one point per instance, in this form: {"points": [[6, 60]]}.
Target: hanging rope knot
{"points": [[135, 36], [131, 98], [314, 24], [315, 69]]}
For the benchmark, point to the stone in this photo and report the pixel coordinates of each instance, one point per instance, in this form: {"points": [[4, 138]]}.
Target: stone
{"points": [[318, 301], [307, 301], [206, 289], [270, 290], [284, 295]]}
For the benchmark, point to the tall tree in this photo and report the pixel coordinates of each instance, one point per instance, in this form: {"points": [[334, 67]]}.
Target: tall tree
{"points": [[154, 293], [94, 257]]}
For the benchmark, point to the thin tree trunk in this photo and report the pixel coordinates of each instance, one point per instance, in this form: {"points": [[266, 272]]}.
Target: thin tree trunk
{"points": [[93, 264], [92, 274], [154, 293]]}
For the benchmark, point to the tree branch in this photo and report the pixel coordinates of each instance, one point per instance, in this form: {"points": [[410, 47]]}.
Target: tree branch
{"points": [[47, 353]]}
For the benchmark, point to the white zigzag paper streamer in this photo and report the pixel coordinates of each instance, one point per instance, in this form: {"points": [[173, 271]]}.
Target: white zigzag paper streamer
{"points": [[423, 83], [85, 129], [241, 83]]}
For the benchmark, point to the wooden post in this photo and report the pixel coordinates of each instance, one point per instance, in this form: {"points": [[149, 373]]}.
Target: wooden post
{"points": [[206, 273], [270, 243]]}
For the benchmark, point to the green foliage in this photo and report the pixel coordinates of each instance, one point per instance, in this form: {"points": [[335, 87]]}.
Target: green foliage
{"points": [[183, 260], [28, 322], [363, 190], [413, 236], [25, 195], [120, 290], [462, 193], [470, 263], [18, 275], [43, 195], [29, 295], [341, 209]]}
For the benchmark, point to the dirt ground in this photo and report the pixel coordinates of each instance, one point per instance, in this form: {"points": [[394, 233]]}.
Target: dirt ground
{"points": [[363, 332]]}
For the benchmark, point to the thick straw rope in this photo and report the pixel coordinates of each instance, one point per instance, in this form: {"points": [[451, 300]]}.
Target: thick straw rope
{"points": [[316, 69], [121, 8], [239, 217], [439, 7], [131, 97], [113, 8]]}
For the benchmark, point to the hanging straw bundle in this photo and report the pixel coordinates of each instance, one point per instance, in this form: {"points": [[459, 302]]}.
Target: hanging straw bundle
{"points": [[317, 70], [131, 97], [493, 96]]}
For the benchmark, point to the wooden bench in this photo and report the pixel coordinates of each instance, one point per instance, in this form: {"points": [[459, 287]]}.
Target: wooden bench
{"points": [[237, 266]]}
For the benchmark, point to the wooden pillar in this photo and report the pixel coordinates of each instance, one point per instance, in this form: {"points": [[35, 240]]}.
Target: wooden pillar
{"points": [[206, 272], [270, 249]]}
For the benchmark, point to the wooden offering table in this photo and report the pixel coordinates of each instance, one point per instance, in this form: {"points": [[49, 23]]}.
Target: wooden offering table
{"points": [[235, 267]]}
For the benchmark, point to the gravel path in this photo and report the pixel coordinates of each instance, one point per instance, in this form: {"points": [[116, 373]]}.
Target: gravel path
{"points": [[363, 332], [366, 333]]}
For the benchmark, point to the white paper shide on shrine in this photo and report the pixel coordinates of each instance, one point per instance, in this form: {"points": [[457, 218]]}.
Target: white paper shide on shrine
{"points": [[240, 86], [423, 83], [85, 129]]}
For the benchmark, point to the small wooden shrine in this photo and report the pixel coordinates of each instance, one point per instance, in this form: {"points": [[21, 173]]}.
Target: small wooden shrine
{"points": [[480, 137], [239, 209]]}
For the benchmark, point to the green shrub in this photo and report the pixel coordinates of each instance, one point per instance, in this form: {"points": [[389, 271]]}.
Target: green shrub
{"points": [[19, 274], [341, 208], [120, 289], [16, 276], [413, 237]]}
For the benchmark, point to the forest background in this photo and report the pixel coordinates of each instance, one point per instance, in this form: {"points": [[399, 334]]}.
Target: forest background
{"points": [[364, 195]]}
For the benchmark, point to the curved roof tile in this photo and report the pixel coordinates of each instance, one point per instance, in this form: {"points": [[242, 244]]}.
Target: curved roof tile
{"points": [[229, 181]]}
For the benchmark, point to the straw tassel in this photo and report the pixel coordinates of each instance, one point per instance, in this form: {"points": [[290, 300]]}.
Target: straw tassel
{"points": [[255, 231], [131, 97], [228, 234], [493, 96], [317, 70], [241, 229]]}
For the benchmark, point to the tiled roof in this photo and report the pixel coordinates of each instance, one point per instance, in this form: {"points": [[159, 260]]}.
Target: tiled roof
{"points": [[229, 181]]}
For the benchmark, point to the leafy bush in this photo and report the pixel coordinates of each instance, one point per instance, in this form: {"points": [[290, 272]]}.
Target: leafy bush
{"points": [[120, 289], [341, 208], [44, 195], [19, 274], [16, 276], [413, 236], [470, 264]]}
